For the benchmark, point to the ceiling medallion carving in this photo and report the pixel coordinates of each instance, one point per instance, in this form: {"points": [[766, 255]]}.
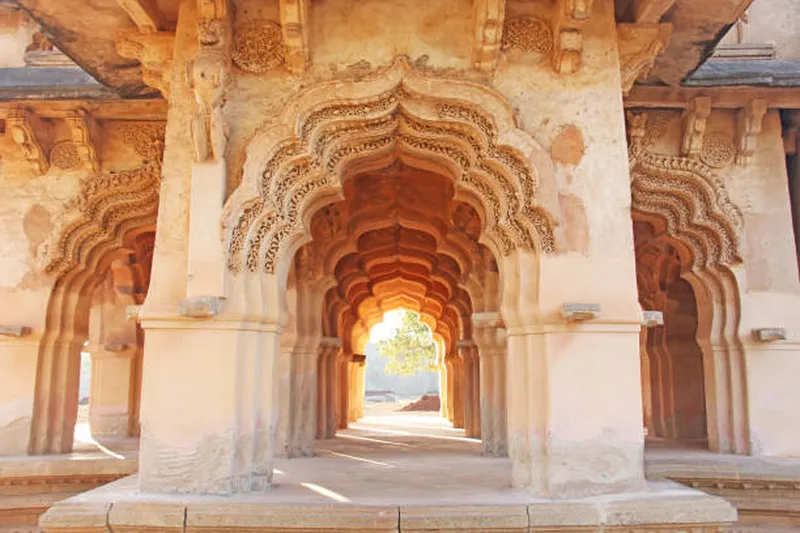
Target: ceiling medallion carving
{"points": [[258, 47], [528, 34], [391, 115]]}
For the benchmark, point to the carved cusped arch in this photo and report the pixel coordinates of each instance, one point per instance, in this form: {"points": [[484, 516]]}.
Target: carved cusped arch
{"points": [[108, 204], [693, 204], [460, 130]]}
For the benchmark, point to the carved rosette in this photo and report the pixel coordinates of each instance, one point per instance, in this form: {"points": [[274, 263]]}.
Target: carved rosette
{"points": [[64, 155], [265, 213], [528, 35], [718, 150], [258, 47]]}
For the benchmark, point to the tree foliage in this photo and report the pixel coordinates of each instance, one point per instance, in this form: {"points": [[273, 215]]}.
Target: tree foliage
{"points": [[410, 348]]}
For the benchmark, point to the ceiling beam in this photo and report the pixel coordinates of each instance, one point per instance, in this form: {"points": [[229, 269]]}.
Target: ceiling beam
{"points": [[145, 14], [650, 11]]}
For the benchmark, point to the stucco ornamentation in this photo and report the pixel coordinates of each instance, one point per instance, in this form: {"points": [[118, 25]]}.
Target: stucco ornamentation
{"points": [[107, 203], [399, 114], [259, 47], [686, 194]]}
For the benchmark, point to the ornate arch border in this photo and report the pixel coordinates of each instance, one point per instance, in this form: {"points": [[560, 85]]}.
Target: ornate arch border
{"points": [[699, 219], [462, 130], [111, 209]]}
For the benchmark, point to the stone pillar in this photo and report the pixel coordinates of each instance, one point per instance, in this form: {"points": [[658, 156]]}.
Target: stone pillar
{"points": [[459, 383], [361, 382], [443, 406], [208, 394], [574, 389], [329, 350], [449, 394], [111, 389], [471, 388], [490, 339], [343, 388]]}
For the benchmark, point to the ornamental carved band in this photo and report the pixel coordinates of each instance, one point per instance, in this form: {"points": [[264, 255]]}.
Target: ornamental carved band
{"points": [[109, 203], [687, 195], [333, 126]]}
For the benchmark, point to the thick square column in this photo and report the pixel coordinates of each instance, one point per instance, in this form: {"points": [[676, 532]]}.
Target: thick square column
{"points": [[574, 386]]}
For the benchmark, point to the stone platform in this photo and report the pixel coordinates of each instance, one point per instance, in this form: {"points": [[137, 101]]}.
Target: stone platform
{"points": [[399, 473]]}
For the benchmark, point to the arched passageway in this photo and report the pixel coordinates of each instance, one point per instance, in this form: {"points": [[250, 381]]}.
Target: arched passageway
{"points": [[398, 239], [673, 384]]}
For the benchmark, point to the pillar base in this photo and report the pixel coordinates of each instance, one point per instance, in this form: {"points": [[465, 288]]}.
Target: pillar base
{"points": [[664, 507]]}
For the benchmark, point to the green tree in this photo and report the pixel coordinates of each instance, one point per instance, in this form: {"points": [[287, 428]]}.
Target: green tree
{"points": [[410, 348]]}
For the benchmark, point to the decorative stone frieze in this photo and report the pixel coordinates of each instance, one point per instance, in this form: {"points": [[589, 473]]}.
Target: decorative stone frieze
{"points": [[685, 192], [105, 202], [399, 117]]}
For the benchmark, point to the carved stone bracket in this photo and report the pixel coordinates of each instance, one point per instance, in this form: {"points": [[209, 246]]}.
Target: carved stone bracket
{"points": [[81, 127], [153, 51], [567, 35], [20, 126], [639, 45], [695, 118], [489, 17], [748, 128], [294, 23]]}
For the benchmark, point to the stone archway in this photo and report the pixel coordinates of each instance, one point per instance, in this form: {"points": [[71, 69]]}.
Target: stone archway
{"points": [[462, 132], [101, 225], [687, 207]]}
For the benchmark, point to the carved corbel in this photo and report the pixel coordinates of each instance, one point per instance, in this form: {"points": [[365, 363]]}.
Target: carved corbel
{"points": [[488, 19], [639, 45], [294, 24], [695, 118], [748, 128], [567, 34], [20, 126], [636, 122], [81, 125], [153, 51]]}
